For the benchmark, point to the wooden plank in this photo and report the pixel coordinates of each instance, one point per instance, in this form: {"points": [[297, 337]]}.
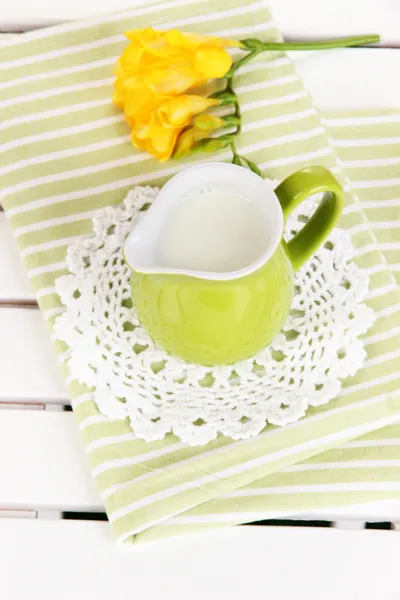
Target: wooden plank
{"points": [[366, 81], [28, 365], [46, 469], [43, 464], [66, 560], [306, 19], [313, 19], [367, 512]]}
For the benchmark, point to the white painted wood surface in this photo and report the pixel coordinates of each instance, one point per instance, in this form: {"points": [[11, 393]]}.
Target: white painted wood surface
{"points": [[44, 447], [26, 347], [42, 464], [305, 19], [350, 79], [63, 560]]}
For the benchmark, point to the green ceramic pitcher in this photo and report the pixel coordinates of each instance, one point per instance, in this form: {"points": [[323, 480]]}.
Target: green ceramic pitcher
{"points": [[215, 316]]}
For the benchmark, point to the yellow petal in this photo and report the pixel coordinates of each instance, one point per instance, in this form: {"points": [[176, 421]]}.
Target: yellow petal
{"points": [[130, 58], [141, 105], [119, 84], [152, 41], [176, 38], [129, 120], [142, 144], [158, 48], [140, 35], [208, 40], [172, 81], [212, 62], [142, 132], [155, 140], [164, 140], [179, 111], [187, 140], [133, 82]]}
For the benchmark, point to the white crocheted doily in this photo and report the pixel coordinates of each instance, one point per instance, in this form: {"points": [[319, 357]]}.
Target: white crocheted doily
{"points": [[132, 377]]}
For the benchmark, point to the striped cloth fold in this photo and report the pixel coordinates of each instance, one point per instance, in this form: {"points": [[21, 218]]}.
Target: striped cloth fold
{"points": [[365, 469], [65, 154]]}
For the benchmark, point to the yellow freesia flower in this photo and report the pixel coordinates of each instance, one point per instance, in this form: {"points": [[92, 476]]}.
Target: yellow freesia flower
{"points": [[171, 62], [155, 76]]}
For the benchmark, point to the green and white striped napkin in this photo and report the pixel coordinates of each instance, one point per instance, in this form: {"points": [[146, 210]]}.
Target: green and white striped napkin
{"points": [[65, 153], [365, 469]]}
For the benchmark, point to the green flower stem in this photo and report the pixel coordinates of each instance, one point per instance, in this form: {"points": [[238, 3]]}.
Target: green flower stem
{"points": [[239, 160], [242, 61], [236, 158], [237, 114], [347, 42], [256, 47]]}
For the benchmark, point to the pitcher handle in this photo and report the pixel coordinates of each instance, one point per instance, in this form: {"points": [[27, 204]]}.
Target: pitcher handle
{"points": [[295, 189]]}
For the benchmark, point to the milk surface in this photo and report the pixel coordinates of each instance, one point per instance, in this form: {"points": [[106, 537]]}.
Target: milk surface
{"points": [[213, 229]]}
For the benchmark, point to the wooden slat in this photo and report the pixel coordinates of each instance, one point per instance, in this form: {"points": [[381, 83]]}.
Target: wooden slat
{"points": [[46, 469], [306, 19], [64, 560], [28, 365], [43, 465], [381, 510], [362, 79], [312, 19]]}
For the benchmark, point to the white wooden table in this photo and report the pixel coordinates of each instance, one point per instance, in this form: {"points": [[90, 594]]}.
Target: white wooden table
{"points": [[43, 470]]}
